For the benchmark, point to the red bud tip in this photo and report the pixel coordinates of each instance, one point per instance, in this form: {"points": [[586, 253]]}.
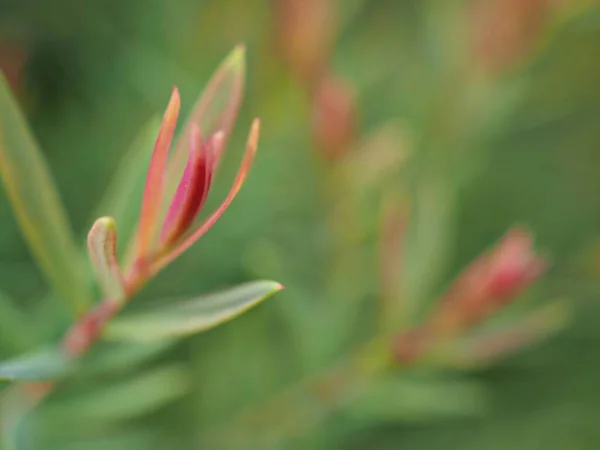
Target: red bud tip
{"points": [[490, 282]]}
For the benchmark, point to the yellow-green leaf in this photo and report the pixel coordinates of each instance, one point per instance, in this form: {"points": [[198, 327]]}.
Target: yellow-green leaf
{"points": [[102, 248], [183, 318], [37, 206]]}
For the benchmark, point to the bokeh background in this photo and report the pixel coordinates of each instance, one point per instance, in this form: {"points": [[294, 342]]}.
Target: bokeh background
{"points": [[461, 117]]}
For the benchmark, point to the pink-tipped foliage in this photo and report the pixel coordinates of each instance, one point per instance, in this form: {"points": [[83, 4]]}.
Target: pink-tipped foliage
{"points": [[195, 234], [215, 111], [194, 186], [493, 280], [155, 180]]}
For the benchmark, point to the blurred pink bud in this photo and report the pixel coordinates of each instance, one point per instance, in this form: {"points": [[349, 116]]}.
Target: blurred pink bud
{"points": [[490, 282], [505, 31], [180, 175], [305, 33], [193, 187], [334, 118]]}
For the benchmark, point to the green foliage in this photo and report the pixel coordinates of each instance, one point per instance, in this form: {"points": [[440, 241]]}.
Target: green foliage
{"points": [[482, 158], [177, 318], [41, 366], [37, 205]]}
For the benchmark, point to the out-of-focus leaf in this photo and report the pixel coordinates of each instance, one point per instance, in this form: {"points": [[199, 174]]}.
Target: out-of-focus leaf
{"points": [[402, 399], [120, 401], [142, 438], [102, 248], [37, 206], [15, 420], [182, 318], [483, 349], [124, 194], [44, 365], [105, 358], [428, 241], [15, 332]]}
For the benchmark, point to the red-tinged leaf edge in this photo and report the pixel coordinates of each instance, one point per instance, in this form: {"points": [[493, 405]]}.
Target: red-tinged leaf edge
{"points": [[155, 180], [216, 109], [203, 227], [193, 188]]}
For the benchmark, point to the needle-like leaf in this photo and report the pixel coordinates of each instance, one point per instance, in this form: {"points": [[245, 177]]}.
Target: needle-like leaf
{"points": [[193, 188], [183, 318], [210, 221], [154, 190], [37, 206], [216, 110]]}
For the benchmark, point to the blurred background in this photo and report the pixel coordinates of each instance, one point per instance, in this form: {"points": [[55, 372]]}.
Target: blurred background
{"points": [[400, 140]]}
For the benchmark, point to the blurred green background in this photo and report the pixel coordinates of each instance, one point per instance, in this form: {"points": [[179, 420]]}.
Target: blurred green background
{"points": [[522, 147]]}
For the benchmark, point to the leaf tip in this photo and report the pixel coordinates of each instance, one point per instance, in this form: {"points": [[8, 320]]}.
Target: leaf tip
{"points": [[106, 222], [173, 106], [102, 225], [236, 59], [254, 132]]}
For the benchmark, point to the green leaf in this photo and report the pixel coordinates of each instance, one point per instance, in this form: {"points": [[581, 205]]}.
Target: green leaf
{"points": [[182, 318], [417, 400], [15, 331], [119, 357], [124, 195], [15, 420], [485, 348], [44, 365], [37, 206], [124, 400]]}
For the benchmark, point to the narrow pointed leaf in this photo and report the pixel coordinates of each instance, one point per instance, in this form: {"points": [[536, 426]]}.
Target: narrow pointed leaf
{"points": [[193, 188], [210, 221], [183, 318], [110, 358], [40, 366], [154, 190], [393, 399], [215, 110], [125, 190], [122, 400], [16, 333], [487, 347], [15, 419], [102, 247], [37, 206]]}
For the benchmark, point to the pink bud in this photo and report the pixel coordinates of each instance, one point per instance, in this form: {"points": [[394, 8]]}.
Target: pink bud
{"points": [[305, 34], [505, 31], [194, 186], [490, 282], [334, 118]]}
